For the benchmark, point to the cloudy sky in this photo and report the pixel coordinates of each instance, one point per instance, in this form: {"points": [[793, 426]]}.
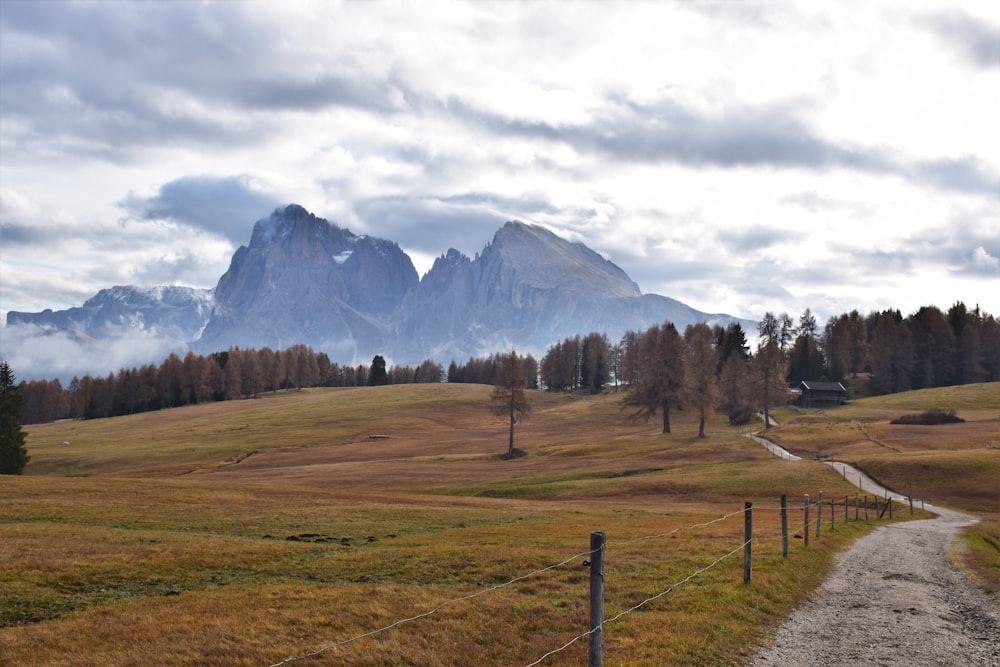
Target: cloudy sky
{"points": [[738, 156]]}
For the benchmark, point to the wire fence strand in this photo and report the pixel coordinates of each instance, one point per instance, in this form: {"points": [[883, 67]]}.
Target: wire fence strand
{"points": [[677, 530], [641, 604], [515, 580], [432, 611]]}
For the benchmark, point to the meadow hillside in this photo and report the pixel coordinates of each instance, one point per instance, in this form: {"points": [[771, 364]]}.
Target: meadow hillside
{"points": [[249, 532]]}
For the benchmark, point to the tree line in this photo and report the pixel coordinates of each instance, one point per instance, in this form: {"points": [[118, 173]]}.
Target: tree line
{"points": [[714, 368], [658, 368], [220, 376]]}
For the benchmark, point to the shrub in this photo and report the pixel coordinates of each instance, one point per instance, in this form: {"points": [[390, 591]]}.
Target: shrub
{"points": [[929, 418]]}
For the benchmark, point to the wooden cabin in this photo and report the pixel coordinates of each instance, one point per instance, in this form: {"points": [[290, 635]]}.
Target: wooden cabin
{"points": [[821, 394]]}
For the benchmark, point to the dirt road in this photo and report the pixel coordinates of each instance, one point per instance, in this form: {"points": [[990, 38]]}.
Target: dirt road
{"points": [[895, 599]]}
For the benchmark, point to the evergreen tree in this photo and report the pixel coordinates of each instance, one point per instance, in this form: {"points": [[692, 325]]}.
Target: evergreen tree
{"points": [[13, 453], [805, 360], [891, 354], [736, 390], [729, 341], [377, 374]]}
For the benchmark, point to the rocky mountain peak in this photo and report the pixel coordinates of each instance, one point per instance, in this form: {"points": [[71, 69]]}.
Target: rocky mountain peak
{"points": [[544, 260], [303, 279]]}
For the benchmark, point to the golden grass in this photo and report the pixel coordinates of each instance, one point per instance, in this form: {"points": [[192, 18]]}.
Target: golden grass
{"points": [[979, 555], [155, 539]]}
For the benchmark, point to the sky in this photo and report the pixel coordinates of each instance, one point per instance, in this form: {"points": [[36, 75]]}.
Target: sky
{"points": [[742, 157]]}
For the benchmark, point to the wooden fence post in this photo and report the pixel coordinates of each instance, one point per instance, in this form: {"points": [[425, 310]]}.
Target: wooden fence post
{"points": [[819, 512], [889, 501], [866, 508], [911, 505], [784, 526], [805, 513], [845, 510], [856, 505], [747, 541], [595, 655]]}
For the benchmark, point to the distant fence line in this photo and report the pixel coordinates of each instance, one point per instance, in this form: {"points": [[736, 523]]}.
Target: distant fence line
{"points": [[595, 559]]}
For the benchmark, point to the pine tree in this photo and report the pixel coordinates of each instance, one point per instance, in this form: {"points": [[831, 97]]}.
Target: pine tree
{"points": [[13, 453], [377, 374]]}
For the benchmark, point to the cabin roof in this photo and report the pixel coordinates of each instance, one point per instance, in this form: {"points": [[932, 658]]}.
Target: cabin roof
{"points": [[812, 385]]}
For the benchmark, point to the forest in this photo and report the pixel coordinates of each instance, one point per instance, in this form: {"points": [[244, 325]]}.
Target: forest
{"points": [[702, 368]]}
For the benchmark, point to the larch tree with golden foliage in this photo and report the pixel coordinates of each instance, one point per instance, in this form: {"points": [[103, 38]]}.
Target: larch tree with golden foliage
{"points": [[700, 385], [658, 380], [508, 399]]}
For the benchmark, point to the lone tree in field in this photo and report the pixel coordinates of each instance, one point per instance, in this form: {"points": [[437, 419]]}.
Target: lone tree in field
{"points": [[508, 399], [13, 454]]}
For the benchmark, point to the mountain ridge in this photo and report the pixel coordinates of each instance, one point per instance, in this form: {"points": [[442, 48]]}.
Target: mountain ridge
{"points": [[303, 279]]}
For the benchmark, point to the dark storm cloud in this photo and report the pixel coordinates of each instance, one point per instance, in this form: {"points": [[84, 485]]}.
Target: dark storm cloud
{"points": [[226, 206], [974, 38]]}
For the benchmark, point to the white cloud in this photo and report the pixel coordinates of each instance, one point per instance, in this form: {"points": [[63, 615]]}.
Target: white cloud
{"points": [[740, 157]]}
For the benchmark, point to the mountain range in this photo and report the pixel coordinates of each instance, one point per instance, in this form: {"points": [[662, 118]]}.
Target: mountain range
{"points": [[305, 280]]}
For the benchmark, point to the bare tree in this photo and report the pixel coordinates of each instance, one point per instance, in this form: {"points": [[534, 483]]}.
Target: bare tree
{"points": [[508, 398]]}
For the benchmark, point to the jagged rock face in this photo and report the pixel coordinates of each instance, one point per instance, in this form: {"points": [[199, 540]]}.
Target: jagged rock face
{"points": [[174, 312], [305, 280], [527, 289]]}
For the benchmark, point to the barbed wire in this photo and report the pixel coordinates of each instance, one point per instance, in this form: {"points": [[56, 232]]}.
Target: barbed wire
{"points": [[515, 580], [677, 530], [432, 611], [638, 606]]}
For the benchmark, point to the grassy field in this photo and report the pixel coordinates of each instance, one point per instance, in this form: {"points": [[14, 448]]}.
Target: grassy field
{"points": [[248, 532]]}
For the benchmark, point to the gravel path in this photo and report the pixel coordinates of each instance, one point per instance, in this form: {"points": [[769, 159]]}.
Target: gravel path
{"points": [[895, 599]]}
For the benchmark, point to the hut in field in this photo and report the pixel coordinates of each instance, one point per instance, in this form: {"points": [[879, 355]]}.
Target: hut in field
{"points": [[814, 394]]}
